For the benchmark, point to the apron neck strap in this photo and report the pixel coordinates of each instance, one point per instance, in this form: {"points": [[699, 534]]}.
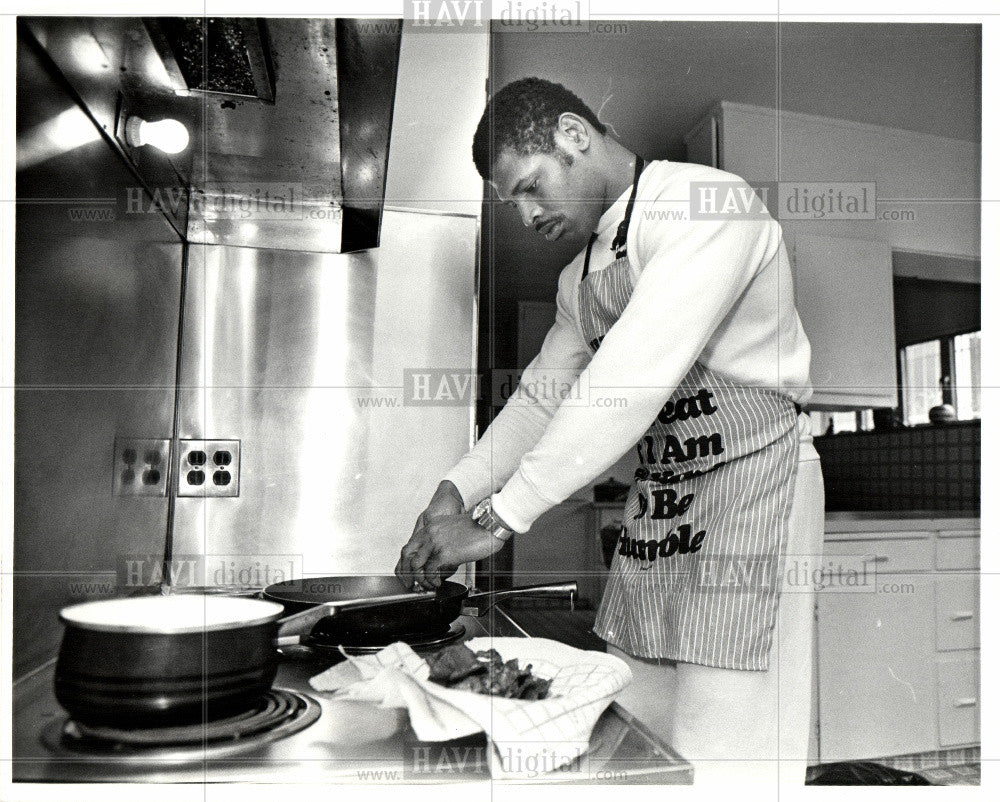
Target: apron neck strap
{"points": [[586, 259], [618, 243]]}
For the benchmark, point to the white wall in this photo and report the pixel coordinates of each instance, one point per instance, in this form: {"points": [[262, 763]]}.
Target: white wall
{"points": [[440, 95]]}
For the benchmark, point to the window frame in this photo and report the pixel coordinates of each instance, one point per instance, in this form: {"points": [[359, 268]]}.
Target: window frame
{"points": [[946, 351]]}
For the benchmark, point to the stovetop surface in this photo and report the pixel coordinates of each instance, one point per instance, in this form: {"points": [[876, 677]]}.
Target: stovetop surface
{"points": [[278, 714], [349, 742]]}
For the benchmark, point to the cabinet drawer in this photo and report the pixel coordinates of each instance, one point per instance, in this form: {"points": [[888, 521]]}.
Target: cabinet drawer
{"points": [[885, 556], [957, 613], [958, 701], [957, 553]]}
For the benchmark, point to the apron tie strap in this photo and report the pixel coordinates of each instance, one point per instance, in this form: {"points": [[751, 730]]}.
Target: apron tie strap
{"points": [[618, 243]]}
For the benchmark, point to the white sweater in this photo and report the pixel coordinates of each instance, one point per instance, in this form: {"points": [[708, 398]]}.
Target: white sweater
{"points": [[714, 291]]}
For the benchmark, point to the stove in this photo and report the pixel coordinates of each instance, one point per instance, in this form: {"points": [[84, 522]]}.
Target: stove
{"points": [[278, 714], [282, 712], [296, 736]]}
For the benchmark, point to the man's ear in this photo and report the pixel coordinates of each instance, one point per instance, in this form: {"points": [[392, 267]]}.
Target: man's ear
{"points": [[574, 130]]}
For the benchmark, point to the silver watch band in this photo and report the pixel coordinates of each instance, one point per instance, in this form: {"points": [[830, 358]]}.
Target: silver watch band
{"points": [[483, 515]]}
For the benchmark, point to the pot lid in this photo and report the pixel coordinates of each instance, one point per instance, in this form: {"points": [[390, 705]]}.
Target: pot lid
{"points": [[171, 614]]}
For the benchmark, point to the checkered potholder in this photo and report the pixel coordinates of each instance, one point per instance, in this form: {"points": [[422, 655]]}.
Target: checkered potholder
{"points": [[528, 737]]}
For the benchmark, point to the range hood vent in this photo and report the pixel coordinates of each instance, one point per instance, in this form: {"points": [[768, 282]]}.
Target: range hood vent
{"points": [[224, 56]]}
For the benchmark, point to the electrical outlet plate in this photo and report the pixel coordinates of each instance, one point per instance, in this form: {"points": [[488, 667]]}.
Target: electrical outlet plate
{"points": [[208, 468], [141, 466]]}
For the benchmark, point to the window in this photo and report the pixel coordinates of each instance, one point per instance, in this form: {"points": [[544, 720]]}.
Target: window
{"points": [[921, 376], [943, 371], [968, 381], [863, 420]]}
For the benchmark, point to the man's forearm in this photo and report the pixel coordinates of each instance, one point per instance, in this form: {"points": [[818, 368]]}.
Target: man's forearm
{"points": [[497, 454]]}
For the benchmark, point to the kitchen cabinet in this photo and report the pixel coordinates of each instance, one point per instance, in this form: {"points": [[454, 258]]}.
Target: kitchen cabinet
{"points": [[763, 144], [440, 92], [873, 670], [703, 142], [898, 654], [958, 701], [956, 613], [843, 293], [843, 267]]}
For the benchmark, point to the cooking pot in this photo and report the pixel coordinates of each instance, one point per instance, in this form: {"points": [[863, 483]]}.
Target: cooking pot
{"points": [[159, 660]]}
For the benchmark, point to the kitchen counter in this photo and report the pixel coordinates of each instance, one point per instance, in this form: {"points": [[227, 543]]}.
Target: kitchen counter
{"points": [[865, 521], [352, 742], [897, 515]]}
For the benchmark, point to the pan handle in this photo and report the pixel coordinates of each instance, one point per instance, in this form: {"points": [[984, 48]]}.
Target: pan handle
{"points": [[301, 623], [477, 604]]}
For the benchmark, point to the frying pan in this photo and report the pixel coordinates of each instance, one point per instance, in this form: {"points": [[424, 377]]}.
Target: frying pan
{"points": [[372, 610]]}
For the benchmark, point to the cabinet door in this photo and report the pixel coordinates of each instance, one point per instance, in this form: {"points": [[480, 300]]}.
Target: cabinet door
{"points": [[957, 612], [843, 293], [877, 693]]}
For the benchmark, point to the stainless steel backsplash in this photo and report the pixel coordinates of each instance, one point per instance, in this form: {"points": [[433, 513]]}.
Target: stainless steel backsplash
{"points": [[301, 357]]}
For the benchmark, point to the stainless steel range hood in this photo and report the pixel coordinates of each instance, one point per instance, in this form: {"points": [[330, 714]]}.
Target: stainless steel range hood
{"points": [[289, 119], [301, 166]]}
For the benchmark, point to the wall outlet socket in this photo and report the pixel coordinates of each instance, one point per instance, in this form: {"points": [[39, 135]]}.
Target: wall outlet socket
{"points": [[208, 468], [141, 466]]}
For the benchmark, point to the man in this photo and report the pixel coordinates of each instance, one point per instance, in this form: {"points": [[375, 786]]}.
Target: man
{"points": [[692, 323]]}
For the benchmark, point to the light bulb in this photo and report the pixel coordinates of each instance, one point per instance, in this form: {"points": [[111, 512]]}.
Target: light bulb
{"points": [[167, 135]]}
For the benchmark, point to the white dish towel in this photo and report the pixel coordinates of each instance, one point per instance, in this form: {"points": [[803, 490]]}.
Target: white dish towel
{"points": [[528, 738]]}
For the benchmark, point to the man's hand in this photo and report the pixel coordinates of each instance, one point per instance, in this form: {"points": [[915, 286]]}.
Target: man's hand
{"points": [[445, 501], [437, 548]]}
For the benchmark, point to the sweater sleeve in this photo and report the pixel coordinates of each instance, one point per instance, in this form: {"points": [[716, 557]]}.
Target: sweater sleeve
{"points": [[525, 415], [692, 273]]}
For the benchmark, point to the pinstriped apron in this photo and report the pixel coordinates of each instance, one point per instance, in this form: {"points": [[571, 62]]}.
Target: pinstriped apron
{"points": [[694, 577]]}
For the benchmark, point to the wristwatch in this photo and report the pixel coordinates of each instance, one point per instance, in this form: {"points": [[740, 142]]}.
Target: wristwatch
{"points": [[483, 515]]}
